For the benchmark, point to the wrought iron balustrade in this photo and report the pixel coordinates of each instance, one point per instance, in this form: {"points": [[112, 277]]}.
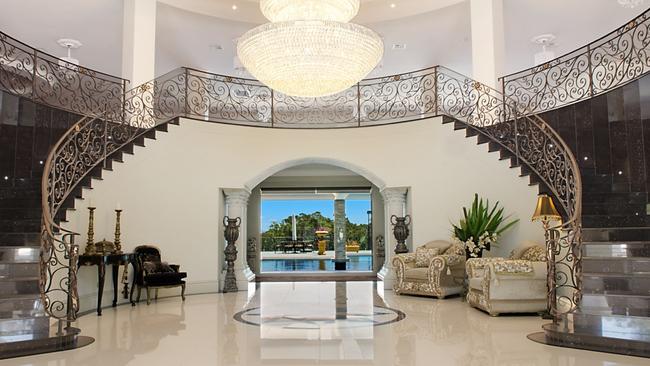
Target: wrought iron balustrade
{"points": [[117, 117], [617, 58], [43, 78]]}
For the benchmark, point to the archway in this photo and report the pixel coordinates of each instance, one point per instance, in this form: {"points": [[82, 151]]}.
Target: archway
{"points": [[340, 186]]}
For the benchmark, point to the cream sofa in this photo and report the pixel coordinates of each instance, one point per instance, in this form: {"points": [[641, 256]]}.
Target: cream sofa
{"points": [[509, 285], [442, 277]]}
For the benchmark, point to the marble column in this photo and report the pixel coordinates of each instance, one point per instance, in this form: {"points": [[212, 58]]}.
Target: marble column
{"points": [[139, 41], [340, 258], [237, 206], [394, 204], [488, 41]]}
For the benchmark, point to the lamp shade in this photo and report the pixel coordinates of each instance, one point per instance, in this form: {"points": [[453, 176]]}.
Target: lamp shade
{"points": [[545, 209]]}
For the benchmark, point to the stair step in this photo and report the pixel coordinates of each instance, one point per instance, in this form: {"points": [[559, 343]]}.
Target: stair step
{"points": [[614, 285], [23, 202], [17, 225], [638, 305], [619, 265], [610, 323], [35, 324], [19, 254], [604, 208], [615, 197], [17, 239], [616, 234], [23, 343], [627, 249], [18, 287], [20, 213], [18, 271], [600, 221], [20, 304], [620, 343]]}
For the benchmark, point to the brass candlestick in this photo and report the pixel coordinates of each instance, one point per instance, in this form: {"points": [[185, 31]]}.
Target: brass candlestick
{"points": [[118, 245], [90, 243]]}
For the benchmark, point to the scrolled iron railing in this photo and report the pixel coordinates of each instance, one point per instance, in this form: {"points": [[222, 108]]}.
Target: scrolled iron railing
{"points": [[115, 118], [43, 78], [616, 59], [423, 94]]}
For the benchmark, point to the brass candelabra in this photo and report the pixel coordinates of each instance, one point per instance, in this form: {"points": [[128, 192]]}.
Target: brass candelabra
{"points": [[118, 243], [90, 243]]}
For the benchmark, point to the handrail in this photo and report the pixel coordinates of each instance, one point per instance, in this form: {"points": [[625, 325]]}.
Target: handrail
{"points": [[115, 119], [611, 61], [412, 96], [43, 78]]}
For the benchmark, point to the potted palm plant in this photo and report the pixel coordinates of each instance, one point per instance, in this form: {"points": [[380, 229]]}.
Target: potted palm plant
{"points": [[480, 227]]}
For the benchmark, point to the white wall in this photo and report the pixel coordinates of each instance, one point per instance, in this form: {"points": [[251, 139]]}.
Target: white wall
{"points": [[575, 23], [170, 189], [97, 24], [187, 39]]}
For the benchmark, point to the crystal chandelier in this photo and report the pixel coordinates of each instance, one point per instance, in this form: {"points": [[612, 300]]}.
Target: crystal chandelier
{"points": [[309, 49]]}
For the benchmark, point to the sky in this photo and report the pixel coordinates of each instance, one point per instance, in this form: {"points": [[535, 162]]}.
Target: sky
{"points": [[276, 210]]}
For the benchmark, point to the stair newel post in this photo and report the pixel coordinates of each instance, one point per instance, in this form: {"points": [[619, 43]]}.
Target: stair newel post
{"points": [[73, 251], [34, 65], [358, 105], [231, 234], [272, 107], [123, 104], [515, 115], [591, 71], [187, 101], [105, 121], [435, 90]]}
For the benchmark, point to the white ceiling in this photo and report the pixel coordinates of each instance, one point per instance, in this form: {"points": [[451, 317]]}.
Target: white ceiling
{"points": [[441, 36], [371, 11]]}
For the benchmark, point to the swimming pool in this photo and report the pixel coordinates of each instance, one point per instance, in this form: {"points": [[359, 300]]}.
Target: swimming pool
{"points": [[355, 263]]}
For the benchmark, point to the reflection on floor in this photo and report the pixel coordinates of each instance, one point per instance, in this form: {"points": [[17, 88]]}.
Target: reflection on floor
{"points": [[307, 323]]}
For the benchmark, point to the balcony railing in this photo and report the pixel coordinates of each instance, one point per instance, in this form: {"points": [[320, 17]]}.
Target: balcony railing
{"points": [[617, 58], [39, 76], [116, 117]]}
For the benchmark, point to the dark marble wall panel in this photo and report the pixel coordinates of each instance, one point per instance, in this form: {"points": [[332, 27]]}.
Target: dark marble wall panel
{"points": [[610, 136], [27, 131]]}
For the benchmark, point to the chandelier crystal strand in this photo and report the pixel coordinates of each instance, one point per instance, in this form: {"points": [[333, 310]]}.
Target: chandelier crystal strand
{"points": [[287, 10], [314, 52]]}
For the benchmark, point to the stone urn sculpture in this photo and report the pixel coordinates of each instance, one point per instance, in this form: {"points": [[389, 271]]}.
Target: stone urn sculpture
{"points": [[401, 232], [321, 234], [231, 234]]}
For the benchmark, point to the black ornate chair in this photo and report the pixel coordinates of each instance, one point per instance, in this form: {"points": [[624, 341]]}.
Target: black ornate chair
{"points": [[151, 273]]}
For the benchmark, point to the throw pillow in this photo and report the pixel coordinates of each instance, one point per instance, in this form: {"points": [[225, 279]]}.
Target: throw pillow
{"points": [[156, 267], [424, 256], [456, 249], [535, 254]]}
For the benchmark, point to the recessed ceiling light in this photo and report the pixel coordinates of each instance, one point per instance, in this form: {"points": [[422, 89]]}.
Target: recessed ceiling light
{"points": [[399, 46], [234, 7], [393, 5]]}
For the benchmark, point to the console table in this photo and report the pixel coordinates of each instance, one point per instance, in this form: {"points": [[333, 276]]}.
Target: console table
{"points": [[99, 260]]}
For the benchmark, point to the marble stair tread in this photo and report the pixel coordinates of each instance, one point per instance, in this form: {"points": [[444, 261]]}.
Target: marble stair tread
{"points": [[616, 234], [643, 274], [639, 340], [19, 254], [23, 343], [614, 250], [36, 323]]}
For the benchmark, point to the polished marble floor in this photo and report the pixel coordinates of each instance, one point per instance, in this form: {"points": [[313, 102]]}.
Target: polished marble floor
{"points": [[313, 323]]}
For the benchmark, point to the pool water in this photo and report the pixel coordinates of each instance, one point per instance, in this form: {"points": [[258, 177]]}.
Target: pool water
{"points": [[356, 263]]}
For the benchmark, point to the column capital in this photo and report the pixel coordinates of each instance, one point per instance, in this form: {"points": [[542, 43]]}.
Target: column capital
{"points": [[394, 195], [236, 196]]}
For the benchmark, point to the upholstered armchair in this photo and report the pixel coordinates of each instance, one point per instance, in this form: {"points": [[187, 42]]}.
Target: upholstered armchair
{"points": [[151, 273], [435, 269], [509, 285]]}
